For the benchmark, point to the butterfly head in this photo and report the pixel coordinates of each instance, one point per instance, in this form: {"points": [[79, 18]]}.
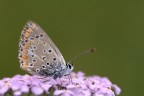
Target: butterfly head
{"points": [[69, 68]]}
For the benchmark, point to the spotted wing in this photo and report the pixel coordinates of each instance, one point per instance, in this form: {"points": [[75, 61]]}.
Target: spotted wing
{"points": [[37, 51]]}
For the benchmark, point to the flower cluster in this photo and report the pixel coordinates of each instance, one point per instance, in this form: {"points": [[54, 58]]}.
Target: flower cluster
{"points": [[77, 85]]}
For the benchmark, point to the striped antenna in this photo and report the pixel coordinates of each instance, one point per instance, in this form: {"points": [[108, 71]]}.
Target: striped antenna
{"points": [[81, 54]]}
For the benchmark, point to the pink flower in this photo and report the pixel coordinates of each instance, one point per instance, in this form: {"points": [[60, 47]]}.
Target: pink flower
{"points": [[80, 85]]}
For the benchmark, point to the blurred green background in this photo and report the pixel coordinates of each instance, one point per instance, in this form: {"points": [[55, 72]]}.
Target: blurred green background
{"points": [[115, 28]]}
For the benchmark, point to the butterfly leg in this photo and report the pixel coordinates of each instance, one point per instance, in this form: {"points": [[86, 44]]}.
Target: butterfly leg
{"points": [[70, 78]]}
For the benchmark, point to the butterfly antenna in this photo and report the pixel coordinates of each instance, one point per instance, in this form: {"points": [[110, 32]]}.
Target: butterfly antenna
{"points": [[83, 53]]}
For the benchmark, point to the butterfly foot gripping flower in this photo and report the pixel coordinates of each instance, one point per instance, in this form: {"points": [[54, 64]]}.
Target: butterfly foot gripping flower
{"points": [[81, 85]]}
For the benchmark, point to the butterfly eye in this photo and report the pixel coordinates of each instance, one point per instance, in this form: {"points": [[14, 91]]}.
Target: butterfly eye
{"points": [[69, 66]]}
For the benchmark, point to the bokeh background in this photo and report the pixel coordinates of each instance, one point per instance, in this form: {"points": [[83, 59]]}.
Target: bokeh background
{"points": [[115, 28]]}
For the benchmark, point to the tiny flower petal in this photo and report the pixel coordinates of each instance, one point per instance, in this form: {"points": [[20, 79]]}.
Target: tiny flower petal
{"points": [[63, 93], [116, 89], [58, 92], [71, 86], [24, 89], [86, 93], [3, 90], [17, 93], [37, 90], [45, 86], [16, 85]]}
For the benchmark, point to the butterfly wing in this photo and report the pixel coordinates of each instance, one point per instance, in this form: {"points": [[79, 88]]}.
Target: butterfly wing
{"points": [[37, 52]]}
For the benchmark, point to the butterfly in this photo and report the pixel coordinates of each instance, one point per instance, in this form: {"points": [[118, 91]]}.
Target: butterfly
{"points": [[38, 55]]}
